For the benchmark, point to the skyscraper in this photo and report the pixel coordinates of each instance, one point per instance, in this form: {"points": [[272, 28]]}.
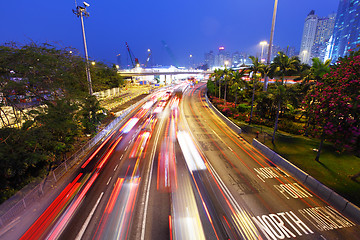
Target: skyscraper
{"points": [[346, 34], [210, 59], [308, 36], [324, 31]]}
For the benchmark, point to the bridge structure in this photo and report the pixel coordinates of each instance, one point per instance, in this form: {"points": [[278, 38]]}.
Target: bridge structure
{"points": [[161, 75]]}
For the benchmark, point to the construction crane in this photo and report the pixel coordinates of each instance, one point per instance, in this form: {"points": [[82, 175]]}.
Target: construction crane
{"points": [[148, 58], [134, 60], [173, 58]]}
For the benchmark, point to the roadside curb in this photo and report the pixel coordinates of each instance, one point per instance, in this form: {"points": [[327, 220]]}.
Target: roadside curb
{"points": [[232, 125], [340, 203]]}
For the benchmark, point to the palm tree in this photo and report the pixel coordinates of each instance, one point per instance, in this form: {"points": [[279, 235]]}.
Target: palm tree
{"points": [[218, 75], [227, 78], [255, 69], [319, 68], [238, 82], [282, 65]]}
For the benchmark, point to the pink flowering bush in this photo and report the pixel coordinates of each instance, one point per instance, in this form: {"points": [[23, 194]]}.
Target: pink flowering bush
{"points": [[334, 104]]}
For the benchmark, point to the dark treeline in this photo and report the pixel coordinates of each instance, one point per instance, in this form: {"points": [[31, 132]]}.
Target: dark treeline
{"points": [[45, 109]]}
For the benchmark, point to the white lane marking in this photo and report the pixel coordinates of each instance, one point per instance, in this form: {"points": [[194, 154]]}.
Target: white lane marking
{"points": [[121, 156], [86, 223], [108, 181], [230, 148], [149, 181], [126, 148], [116, 167]]}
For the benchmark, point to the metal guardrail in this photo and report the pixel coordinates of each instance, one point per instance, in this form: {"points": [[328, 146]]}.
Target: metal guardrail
{"points": [[38, 191]]}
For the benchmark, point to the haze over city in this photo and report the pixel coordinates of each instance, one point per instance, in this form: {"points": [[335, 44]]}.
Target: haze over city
{"points": [[187, 27]]}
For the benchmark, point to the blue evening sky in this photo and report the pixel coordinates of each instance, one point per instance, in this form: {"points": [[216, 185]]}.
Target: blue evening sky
{"points": [[187, 26]]}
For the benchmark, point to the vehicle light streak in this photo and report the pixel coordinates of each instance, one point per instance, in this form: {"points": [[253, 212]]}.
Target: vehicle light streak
{"points": [[97, 150], [109, 207], [71, 210], [103, 161], [128, 125], [116, 219], [192, 156], [170, 227], [52, 212]]}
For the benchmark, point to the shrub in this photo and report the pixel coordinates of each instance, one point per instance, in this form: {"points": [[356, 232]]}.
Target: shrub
{"points": [[243, 108]]}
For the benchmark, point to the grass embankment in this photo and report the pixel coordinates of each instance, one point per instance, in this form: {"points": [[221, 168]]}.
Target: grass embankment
{"points": [[333, 170]]}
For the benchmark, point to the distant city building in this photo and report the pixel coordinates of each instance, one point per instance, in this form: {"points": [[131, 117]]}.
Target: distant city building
{"points": [[222, 57], [235, 59], [210, 59], [346, 34], [291, 51], [275, 50], [308, 36]]}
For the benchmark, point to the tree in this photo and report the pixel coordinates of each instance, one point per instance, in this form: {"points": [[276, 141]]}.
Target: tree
{"points": [[282, 65], [227, 76], [218, 74], [256, 68], [319, 68], [238, 83], [91, 114], [333, 105]]}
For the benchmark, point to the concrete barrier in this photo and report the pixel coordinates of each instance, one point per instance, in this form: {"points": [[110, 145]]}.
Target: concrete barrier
{"points": [[230, 124], [350, 209], [339, 202]]}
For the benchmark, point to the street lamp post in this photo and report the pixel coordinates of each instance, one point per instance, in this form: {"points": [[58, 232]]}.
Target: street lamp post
{"points": [[190, 61], [271, 42], [81, 12]]}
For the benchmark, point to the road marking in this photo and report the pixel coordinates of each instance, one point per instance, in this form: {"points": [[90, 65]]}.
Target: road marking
{"points": [[230, 149], [274, 227], [149, 180], [126, 148], [121, 156], [86, 223], [108, 181], [116, 167]]}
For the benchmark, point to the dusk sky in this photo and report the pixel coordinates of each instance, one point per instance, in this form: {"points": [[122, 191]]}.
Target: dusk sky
{"points": [[187, 26]]}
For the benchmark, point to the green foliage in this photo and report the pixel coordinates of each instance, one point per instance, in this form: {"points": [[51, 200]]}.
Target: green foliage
{"points": [[243, 108], [91, 114], [104, 77], [22, 158], [56, 77], [211, 87]]}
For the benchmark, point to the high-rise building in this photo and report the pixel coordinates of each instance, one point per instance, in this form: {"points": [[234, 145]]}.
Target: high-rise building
{"points": [[324, 31], [308, 36], [210, 59], [346, 34]]}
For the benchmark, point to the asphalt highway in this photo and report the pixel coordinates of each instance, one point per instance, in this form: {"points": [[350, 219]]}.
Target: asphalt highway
{"points": [[174, 170]]}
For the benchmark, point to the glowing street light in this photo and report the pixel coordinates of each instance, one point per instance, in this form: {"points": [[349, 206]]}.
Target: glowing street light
{"points": [[262, 44]]}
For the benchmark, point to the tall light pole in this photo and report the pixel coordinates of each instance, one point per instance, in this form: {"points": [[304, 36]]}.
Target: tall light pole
{"points": [[262, 44], [81, 12], [190, 61], [271, 42]]}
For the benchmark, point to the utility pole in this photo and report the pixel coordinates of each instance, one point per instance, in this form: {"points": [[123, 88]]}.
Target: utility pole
{"points": [[271, 43], [81, 12]]}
